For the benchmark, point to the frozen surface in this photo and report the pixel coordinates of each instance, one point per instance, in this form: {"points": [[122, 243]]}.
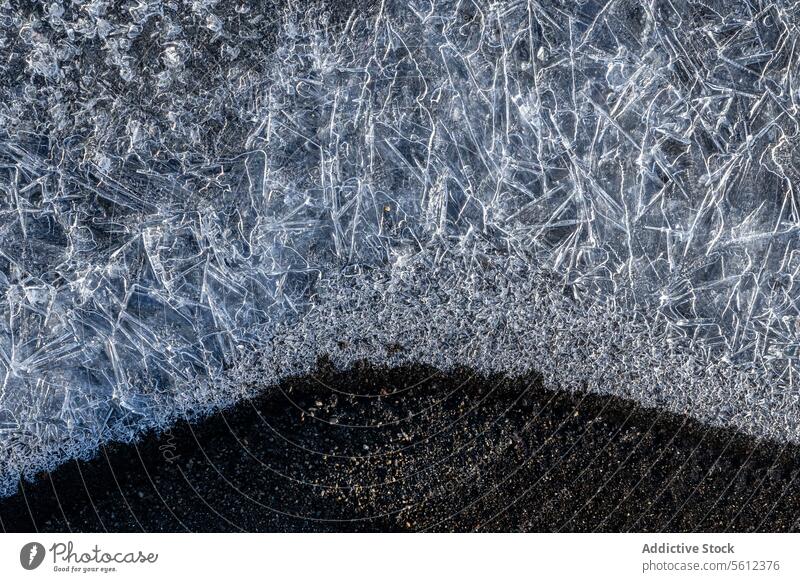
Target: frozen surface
{"points": [[198, 198]]}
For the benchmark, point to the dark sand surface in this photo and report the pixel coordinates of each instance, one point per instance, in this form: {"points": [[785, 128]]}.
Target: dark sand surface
{"points": [[414, 449]]}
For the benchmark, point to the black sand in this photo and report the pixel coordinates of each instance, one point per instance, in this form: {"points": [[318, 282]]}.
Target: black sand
{"points": [[412, 449]]}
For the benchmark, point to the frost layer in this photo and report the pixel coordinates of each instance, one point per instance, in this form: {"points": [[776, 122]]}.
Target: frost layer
{"points": [[200, 198]]}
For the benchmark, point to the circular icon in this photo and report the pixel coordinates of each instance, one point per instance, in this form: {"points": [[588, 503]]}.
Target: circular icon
{"points": [[31, 555]]}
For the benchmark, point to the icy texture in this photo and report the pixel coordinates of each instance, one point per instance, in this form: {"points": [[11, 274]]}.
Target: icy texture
{"points": [[199, 198]]}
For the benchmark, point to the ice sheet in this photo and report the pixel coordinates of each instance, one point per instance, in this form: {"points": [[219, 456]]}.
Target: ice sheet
{"points": [[199, 198]]}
